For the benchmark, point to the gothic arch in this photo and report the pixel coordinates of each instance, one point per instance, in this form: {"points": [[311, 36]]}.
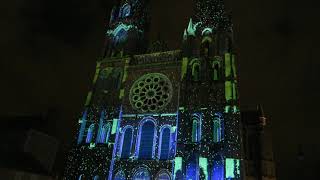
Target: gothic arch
{"points": [[195, 69], [163, 175], [104, 133], [218, 128], [126, 142], [125, 10], [217, 167], [146, 139], [164, 142], [141, 173], [196, 127], [90, 133]]}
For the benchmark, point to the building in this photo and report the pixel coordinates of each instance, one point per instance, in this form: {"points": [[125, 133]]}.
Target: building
{"points": [[155, 113], [257, 145]]}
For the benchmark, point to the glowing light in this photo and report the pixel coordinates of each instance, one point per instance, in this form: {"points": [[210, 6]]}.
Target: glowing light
{"points": [[232, 168], [114, 126], [203, 163]]}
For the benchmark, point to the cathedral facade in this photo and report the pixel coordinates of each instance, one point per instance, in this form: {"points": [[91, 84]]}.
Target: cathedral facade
{"points": [[154, 113]]}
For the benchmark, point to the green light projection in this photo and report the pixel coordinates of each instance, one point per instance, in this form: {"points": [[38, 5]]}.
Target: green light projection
{"points": [[184, 67], [177, 165], [227, 64], [203, 163], [114, 126], [232, 168]]}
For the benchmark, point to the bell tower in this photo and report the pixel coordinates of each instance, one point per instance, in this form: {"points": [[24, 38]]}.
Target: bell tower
{"points": [[209, 98], [127, 27]]}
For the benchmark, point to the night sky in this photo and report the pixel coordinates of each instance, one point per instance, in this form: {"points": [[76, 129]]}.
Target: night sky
{"points": [[49, 49]]}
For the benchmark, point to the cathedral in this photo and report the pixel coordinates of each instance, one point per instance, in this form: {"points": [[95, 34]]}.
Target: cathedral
{"points": [[159, 114]]}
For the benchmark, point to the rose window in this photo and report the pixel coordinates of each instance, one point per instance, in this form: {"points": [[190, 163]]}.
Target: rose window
{"points": [[151, 92]]}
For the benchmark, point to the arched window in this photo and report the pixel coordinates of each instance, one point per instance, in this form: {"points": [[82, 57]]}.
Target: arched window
{"points": [[117, 77], [196, 72], [218, 132], [90, 133], [218, 168], [96, 177], [120, 175], [164, 144], [104, 133], [163, 175], [146, 140], [126, 9], [142, 174], [196, 128], [205, 47], [125, 150], [216, 70], [192, 168]]}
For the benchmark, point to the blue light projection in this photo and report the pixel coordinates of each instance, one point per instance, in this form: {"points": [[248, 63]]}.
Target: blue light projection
{"points": [[126, 140], [80, 177], [164, 144], [121, 36], [163, 176], [146, 139], [218, 168], [120, 175], [83, 126], [218, 128], [142, 174], [192, 168], [90, 133], [126, 9], [196, 127]]}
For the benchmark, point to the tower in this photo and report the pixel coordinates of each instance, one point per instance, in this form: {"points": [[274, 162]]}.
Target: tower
{"points": [[162, 115]]}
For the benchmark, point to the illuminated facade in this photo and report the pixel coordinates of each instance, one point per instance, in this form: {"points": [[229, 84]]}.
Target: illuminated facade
{"points": [[158, 114]]}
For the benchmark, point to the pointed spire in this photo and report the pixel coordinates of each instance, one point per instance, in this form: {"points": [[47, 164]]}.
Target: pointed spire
{"points": [[185, 36], [191, 28]]}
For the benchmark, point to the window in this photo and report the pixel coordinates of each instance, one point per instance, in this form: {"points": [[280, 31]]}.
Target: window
{"points": [[126, 10], [147, 133], [120, 175], [90, 133], [196, 72], [218, 168], [104, 133], [163, 175], [218, 132], [192, 168], [196, 128], [126, 142], [216, 70], [142, 174], [164, 144]]}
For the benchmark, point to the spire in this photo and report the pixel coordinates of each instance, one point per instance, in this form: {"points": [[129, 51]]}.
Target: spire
{"points": [[185, 34]]}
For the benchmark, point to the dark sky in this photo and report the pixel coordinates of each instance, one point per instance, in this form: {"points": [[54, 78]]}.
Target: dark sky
{"points": [[49, 49]]}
